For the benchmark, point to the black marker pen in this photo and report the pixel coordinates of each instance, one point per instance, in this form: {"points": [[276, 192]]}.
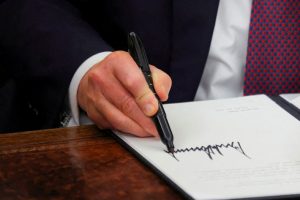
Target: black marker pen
{"points": [[138, 53]]}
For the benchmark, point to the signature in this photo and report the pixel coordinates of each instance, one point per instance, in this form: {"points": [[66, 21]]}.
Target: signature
{"points": [[211, 150]]}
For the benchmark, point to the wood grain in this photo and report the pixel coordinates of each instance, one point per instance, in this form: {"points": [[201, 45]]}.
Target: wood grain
{"points": [[74, 163]]}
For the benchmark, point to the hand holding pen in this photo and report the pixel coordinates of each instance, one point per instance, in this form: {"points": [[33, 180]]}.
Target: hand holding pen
{"points": [[138, 53], [115, 95]]}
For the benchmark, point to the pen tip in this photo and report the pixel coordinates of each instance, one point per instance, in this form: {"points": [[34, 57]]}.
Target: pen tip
{"points": [[171, 150]]}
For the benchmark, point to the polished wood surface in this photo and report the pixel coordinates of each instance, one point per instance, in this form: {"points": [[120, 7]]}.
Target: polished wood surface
{"points": [[74, 163]]}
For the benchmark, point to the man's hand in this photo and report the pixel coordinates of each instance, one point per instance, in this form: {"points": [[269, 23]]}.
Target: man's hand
{"points": [[115, 95]]}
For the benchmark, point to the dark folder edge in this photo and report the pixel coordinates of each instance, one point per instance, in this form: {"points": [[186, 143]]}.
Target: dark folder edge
{"points": [[174, 185], [287, 106]]}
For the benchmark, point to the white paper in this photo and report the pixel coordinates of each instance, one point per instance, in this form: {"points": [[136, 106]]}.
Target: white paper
{"points": [[262, 158]]}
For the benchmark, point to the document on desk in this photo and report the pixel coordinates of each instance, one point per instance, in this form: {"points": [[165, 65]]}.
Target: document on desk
{"points": [[232, 148]]}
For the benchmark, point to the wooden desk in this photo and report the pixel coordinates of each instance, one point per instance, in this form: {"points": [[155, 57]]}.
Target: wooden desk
{"points": [[74, 163]]}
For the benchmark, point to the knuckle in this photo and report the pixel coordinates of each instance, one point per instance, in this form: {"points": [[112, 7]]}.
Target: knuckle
{"points": [[116, 55], [135, 81], [101, 67], [115, 60], [95, 77], [128, 105], [145, 96]]}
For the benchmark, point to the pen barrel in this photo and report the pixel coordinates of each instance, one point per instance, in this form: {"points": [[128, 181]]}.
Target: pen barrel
{"points": [[163, 127], [148, 77], [160, 118], [138, 53]]}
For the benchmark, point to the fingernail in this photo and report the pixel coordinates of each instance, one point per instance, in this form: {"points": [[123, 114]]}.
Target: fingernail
{"points": [[149, 109]]}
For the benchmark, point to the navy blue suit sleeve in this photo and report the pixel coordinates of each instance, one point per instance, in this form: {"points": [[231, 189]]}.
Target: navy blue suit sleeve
{"points": [[44, 42]]}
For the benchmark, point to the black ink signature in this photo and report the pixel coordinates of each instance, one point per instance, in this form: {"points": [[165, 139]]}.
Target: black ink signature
{"points": [[214, 149]]}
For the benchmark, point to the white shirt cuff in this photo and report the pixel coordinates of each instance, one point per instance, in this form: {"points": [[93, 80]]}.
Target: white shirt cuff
{"points": [[73, 88]]}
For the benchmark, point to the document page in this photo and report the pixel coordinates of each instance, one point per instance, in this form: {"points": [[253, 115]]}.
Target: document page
{"points": [[231, 148]]}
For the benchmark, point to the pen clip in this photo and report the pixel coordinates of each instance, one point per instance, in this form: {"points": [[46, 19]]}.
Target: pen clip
{"points": [[137, 51]]}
